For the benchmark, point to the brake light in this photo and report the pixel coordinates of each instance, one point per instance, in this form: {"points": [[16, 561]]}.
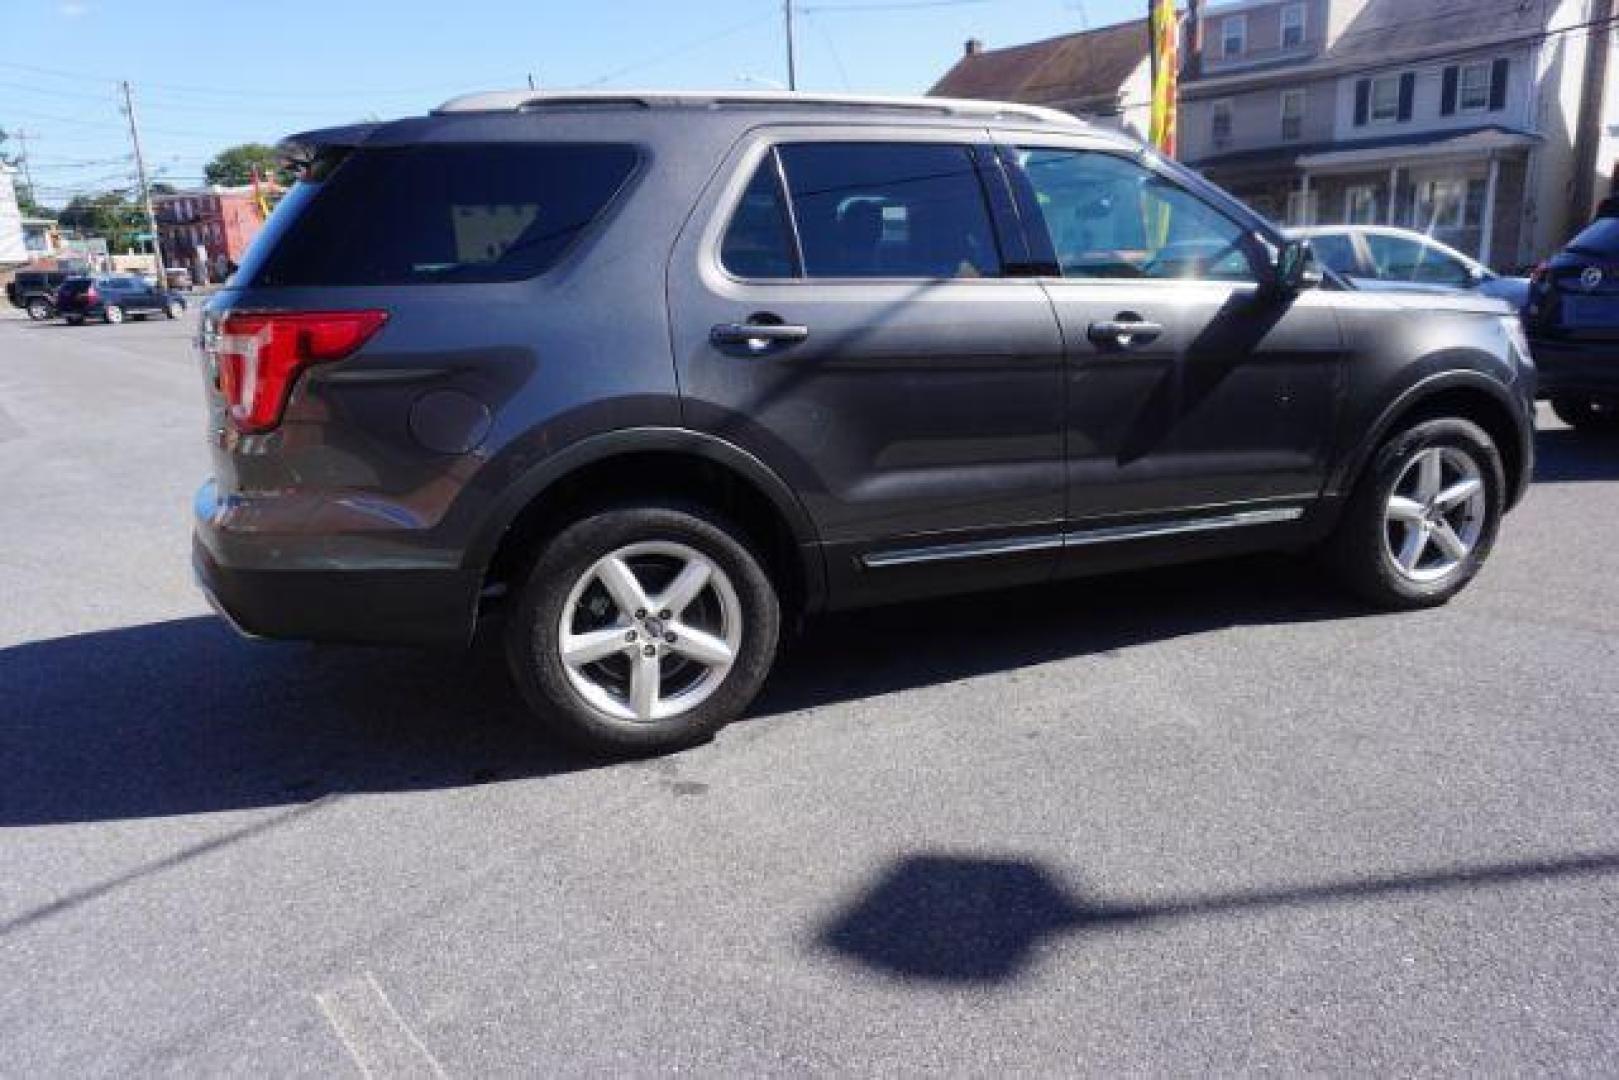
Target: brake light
{"points": [[90, 295], [259, 355]]}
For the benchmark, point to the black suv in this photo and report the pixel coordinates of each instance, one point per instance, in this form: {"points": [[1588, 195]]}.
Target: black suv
{"points": [[114, 298], [651, 376], [35, 291], [1572, 316]]}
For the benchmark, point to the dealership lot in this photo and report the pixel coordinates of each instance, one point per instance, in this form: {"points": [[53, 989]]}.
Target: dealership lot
{"points": [[1212, 819]]}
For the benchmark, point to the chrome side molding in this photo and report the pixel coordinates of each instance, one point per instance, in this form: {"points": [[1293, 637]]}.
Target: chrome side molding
{"points": [[1107, 534]]}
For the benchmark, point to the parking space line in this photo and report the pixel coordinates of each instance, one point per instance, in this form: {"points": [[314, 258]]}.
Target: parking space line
{"points": [[373, 1032]]}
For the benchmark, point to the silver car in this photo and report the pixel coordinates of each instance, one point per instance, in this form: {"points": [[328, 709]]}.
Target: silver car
{"points": [[1377, 257]]}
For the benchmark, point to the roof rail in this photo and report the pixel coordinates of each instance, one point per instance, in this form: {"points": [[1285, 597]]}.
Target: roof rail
{"points": [[536, 100]]}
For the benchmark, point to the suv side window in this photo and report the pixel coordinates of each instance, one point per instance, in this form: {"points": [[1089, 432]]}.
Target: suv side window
{"points": [[1400, 259], [1109, 217], [890, 210], [759, 241], [1336, 252]]}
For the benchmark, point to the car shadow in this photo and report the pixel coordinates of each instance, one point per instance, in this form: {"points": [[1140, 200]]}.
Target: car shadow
{"points": [[950, 918], [183, 717], [1563, 455]]}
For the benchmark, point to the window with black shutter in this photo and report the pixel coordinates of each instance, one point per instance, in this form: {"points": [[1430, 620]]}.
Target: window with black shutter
{"points": [[1498, 84], [1363, 101], [1447, 95], [1408, 94]]}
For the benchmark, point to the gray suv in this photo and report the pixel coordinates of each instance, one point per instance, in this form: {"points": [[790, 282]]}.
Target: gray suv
{"points": [[646, 378]]}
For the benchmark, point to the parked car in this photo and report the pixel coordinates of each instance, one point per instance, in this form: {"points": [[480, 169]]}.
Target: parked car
{"points": [[644, 378], [35, 291], [1374, 257], [115, 297], [1573, 322]]}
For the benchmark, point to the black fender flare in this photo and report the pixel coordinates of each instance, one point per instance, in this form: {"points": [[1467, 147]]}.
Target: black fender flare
{"points": [[600, 447], [1349, 468]]}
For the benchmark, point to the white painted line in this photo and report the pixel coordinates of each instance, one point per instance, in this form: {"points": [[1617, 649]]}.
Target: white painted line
{"points": [[375, 1035]]}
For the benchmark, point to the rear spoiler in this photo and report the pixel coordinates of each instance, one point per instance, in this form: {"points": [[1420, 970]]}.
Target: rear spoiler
{"points": [[302, 149]]}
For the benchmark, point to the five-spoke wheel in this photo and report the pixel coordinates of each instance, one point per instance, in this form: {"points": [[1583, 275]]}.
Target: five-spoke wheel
{"points": [[650, 630], [1423, 516], [1435, 513], [643, 628]]}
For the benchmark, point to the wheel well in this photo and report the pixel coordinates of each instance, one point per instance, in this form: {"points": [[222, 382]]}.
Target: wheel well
{"points": [[660, 476], [1482, 409]]}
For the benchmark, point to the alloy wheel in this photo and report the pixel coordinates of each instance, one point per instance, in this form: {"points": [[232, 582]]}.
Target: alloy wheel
{"points": [[650, 631], [1435, 515]]}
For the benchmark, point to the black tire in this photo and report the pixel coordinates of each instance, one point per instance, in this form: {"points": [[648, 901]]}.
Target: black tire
{"points": [[39, 309], [1359, 550], [533, 632], [1588, 414], [75, 320], [173, 309], [112, 314]]}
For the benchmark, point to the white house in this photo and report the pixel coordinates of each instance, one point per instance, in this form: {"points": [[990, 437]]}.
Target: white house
{"points": [[13, 245]]}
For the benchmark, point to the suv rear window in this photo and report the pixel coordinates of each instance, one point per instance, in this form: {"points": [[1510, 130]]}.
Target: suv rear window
{"points": [[1601, 237], [439, 214]]}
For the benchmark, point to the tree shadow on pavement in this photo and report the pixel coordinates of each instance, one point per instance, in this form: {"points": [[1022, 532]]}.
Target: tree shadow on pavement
{"points": [[183, 717], [955, 919]]}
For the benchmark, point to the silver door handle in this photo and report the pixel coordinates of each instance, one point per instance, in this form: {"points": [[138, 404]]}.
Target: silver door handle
{"points": [[1124, 332], [757, 336]]}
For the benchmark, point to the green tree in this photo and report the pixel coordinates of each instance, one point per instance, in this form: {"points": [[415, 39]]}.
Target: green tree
{"points": [[108, 214], [234, 167]]}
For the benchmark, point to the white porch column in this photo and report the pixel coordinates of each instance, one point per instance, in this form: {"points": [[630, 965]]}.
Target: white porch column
{"points": [[1304, 201], [1488, 233], [1394, 193]]}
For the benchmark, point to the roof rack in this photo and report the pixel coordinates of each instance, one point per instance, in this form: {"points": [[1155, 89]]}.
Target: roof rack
{"points": [[537, 100]]}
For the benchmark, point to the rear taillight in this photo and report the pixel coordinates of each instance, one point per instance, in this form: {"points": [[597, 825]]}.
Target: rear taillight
{"points": [[258, 356], [91, 296]]}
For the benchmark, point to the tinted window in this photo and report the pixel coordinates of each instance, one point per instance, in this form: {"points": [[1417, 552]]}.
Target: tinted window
{"points": [[911, 210], [1336, 252], [758, 243], [1601, 237], [433, 214], [1111, 218]]}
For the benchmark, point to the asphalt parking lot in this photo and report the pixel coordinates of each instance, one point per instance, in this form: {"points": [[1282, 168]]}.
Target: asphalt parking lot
{"points": [[1217, 819]]}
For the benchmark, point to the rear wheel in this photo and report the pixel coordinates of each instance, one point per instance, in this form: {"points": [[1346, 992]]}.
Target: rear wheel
{"points": [[173, 309], [1588, 414], [38, 309], [643, 629], [113, 314], [1424, 517]]}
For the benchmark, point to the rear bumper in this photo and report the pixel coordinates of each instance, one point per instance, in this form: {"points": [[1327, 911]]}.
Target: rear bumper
{"points": [[1576, 368], [368, 607]]}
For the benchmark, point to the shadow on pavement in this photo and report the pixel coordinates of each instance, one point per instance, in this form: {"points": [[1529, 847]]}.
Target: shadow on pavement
{"points": [[1563, 455], [955, 919], [182, 717]]}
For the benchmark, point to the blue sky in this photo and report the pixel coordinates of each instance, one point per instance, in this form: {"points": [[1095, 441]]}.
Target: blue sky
{"points": [[209, 74]]}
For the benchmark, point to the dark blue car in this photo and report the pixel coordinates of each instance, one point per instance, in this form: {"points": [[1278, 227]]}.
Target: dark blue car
{"points": [[1572, 318], [115, 297]]}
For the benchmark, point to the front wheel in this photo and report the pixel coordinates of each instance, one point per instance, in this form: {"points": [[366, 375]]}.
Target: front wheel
{"points": [[173, 309], [1587, 414], [113, 314], [38, 310], [1424, 517], [643, 629]]}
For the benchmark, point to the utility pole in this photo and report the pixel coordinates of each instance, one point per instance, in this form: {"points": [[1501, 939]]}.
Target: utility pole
{"points": [[792, 67], [146, 190]]}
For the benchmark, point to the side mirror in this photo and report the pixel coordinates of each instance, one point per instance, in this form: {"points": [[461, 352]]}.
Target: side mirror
{"points": [[1296, 268]]}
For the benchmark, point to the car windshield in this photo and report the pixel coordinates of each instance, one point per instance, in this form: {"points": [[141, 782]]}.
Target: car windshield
{"points": [[1601, 237]]}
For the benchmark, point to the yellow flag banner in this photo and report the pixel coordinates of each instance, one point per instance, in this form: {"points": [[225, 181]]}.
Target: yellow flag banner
{"points": [[1165, 69]]}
